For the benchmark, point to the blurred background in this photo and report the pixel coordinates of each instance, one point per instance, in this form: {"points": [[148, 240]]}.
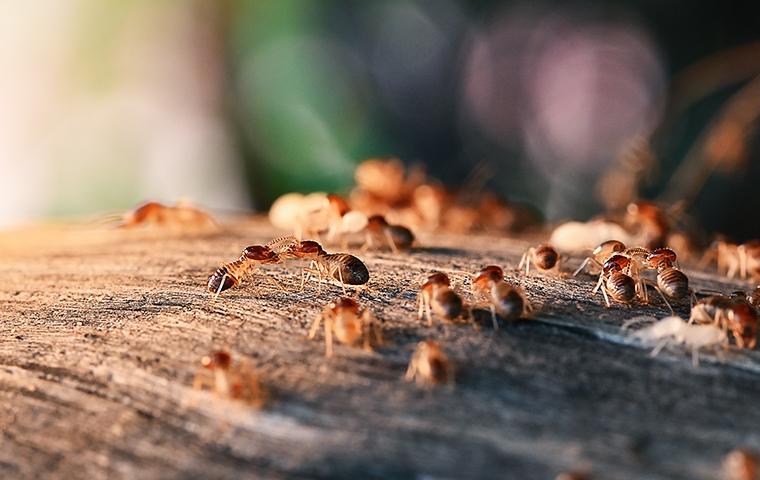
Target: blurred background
{"points": [[575, 108]]}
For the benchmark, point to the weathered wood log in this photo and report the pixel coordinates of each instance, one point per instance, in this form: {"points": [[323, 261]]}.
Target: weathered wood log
{"points": [[101, 333]]}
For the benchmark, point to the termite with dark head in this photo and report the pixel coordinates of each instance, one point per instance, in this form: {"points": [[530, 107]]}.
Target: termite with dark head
{"points": [[601, 254], [350, 324], [397, 237], [429, 365], [437, 296], [544, 257], [504, 299], [234, 381], [234, 273]]}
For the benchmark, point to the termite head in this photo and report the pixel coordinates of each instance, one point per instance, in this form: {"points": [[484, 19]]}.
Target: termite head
{"points": [[545, 257], [616, 263], [144, 212], [215, 281], [260, 254], [491, 273], [605, 249], [338, 204], [218, 359], [344, 304], [438, 279], [376, 223], [661, 258], [306, 249]]}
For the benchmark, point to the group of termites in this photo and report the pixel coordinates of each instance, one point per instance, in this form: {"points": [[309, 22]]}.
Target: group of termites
{"points": [[623, 276]]}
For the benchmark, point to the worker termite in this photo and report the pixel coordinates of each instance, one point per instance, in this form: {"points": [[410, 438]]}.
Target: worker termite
{"points": [[396, 236], [436, 295], [674, 330], [508, 301], [234, 273], [350, 324], [613, 281], [345, 268], [343, 221], [601, 253], [733, 315], [429, 365], [741, 464], [227, 379], [670, 280], [183, 214], [649, 222], [544, 257]]}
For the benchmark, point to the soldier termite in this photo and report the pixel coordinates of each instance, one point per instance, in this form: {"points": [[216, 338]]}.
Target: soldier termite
{"points": [[506, 300], [230, 380], [429, 365], [544, 257], [349, 323], [234, 273], [436, 294]]}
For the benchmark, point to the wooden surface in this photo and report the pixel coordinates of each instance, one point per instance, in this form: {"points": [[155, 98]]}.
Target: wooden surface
{"points": [[101, 334]]}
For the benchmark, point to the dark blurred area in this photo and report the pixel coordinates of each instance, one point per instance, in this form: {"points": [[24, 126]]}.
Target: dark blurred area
{"points": [[575, 108]]}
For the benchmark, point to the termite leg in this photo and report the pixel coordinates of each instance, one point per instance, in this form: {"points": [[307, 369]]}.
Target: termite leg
{"points": [[391, 243], [221, 284]]}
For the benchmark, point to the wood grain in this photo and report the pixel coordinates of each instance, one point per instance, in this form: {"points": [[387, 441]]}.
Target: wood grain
{"points": [[101, 333]]}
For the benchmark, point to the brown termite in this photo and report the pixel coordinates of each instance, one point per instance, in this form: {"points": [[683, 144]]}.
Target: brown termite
{"points": [[544, 257], [670, 280], [154, 213], [741, 464], [230, 380], [234, 273], [601, 254], [437, 296], [345, 268], [649, 221], [429, 365], [733, 315], [343, 221], [613, 281], [506, 300], [378, 229], [350, 324]]}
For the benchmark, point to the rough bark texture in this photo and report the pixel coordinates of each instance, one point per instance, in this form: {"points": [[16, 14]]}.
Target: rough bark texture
{"points": [[101, 335]]}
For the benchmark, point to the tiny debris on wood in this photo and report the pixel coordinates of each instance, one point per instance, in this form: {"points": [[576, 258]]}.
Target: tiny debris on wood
{"points": [[102, 332]]}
